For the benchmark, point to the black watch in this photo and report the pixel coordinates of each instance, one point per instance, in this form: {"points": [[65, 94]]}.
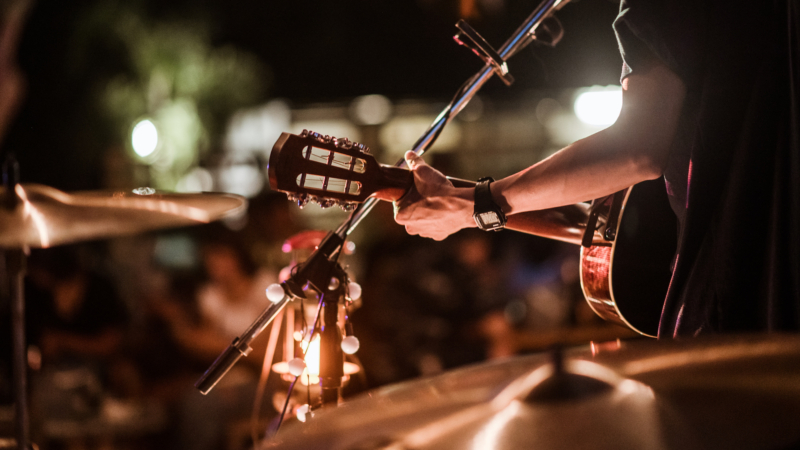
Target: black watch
{"points": [[487, 213]]}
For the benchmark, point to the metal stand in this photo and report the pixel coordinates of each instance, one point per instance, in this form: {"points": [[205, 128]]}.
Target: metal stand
{"points": [[317, 270], [15, 265], [331, 356], [14, 259]]}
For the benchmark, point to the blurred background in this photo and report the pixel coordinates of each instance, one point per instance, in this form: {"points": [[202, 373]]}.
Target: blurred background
{"points": [[190, 96]]}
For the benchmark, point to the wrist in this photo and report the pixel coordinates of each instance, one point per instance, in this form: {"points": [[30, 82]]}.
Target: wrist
{"points": [[488, 215], [498, 195], [466, 204]]}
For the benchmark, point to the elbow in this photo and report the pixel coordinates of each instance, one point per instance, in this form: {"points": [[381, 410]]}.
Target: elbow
{"points": [[648, 167], [643, 151]]}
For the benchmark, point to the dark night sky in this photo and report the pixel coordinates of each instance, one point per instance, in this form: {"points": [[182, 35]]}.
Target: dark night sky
{"points": [[317, 51]]}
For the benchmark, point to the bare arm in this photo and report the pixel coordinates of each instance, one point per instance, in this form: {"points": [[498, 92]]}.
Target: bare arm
{"points": [[634, 149]]}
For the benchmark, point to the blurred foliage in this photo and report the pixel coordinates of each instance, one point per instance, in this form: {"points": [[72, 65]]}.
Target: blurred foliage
{"points": [[172, 73]]}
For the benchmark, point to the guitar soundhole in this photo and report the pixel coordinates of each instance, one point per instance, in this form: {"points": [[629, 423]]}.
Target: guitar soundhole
{"points": [[318, 183], [340, 160]]}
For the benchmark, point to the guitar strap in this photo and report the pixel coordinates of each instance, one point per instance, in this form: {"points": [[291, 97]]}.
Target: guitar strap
{"points": [[610, 221]]}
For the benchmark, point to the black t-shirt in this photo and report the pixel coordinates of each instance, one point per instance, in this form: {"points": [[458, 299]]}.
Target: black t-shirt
{"points": [[733, 175]]}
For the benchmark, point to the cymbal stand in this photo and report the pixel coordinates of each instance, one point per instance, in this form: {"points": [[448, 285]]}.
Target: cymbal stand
{"points": [[14, 260], [317, 270]]}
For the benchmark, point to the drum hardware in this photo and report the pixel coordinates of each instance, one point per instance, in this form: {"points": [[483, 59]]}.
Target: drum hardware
{"points": [[38, 216], [716, 392], [14, 260]]}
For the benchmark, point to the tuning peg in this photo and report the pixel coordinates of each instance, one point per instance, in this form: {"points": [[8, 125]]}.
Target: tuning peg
{"points": [[291, 197], [343, 143], [302, 200], [304, 133], [326, 203], [313, 199], [348, 206]]}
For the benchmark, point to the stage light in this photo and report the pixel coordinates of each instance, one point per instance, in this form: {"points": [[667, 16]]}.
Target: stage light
{"points": [[354, 290], [303, 412], [144, 138], [275, 293], [599, 107], [297, 366], [312, 357], [350, 345]]}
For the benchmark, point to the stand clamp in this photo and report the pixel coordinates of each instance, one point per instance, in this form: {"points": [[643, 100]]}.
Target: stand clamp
{"points": [[483, 49]]}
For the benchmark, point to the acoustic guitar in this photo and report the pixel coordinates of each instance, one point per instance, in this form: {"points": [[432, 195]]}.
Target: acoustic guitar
{"points": [[625, 255]]}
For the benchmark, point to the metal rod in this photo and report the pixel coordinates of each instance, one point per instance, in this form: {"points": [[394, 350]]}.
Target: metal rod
{"points": [[15, 262], [521, 37], [238, 348], [331, 357], [317, 269]]}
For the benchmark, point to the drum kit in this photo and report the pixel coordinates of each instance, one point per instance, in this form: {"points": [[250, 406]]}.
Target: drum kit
{"points": [[715, 393]]}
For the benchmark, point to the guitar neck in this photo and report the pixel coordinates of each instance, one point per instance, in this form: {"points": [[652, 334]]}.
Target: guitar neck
{"points": [[564, 223]]}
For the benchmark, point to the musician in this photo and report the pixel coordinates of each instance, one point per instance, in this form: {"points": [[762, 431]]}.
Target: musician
{"points": [[711, 103]]}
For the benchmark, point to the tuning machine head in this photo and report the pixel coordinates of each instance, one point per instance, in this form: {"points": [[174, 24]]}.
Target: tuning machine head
{"points": [[300, 199], [348, 206], [326, 203], [343, 143], [361, 147]]}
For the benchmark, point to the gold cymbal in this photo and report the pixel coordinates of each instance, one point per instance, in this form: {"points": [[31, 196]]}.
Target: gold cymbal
{"points": [[712, 393], [40, 216]]}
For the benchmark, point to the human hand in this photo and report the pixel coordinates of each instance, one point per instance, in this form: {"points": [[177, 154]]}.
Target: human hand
{"points": [[433, 208]]}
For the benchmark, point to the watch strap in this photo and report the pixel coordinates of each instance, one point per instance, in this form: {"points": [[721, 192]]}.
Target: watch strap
{"points": [[484, 203]]}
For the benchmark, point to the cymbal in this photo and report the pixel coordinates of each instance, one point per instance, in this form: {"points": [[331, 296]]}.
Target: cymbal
{"points": [[713, 393], [40, 216]]}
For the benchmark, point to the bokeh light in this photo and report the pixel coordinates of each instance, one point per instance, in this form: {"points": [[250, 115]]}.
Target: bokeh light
{"points": [[599, 106], [371, 109], [144, 138]]}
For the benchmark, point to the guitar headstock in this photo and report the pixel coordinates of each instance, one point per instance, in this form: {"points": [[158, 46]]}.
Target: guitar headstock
{"points": [[326, 170]]}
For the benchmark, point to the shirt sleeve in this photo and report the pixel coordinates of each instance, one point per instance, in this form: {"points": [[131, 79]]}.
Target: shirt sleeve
{"points": [[669, 31]]}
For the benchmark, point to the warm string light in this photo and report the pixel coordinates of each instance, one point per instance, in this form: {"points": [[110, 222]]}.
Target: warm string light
{"points": [[306, 367]]}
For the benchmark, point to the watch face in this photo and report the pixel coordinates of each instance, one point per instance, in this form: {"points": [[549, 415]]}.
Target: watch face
{"points": [[489, 219]]}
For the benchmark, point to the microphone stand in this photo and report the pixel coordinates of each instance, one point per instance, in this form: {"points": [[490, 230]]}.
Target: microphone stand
{"points": [[316, 272]]}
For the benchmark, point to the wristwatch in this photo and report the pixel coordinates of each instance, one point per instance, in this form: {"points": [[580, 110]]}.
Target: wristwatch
{"points": [[487, 213]]}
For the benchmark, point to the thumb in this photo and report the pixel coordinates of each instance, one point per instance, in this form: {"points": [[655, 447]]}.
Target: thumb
{"points": [[413, 160]]}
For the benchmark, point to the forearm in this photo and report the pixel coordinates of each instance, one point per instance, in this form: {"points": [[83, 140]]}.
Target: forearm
{"points": [[634, 149], [587, 169]]}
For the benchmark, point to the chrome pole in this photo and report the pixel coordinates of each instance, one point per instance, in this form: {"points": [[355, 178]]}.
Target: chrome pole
{"points": [[521, 38]]}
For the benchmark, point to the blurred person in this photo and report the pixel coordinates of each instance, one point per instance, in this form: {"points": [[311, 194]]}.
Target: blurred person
{"points": [[75, 314], [227, 302], [77, 325], [421, 321]]}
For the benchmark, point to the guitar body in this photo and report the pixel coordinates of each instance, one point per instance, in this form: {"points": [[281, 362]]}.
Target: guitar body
{"points": [[625, 280]]}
